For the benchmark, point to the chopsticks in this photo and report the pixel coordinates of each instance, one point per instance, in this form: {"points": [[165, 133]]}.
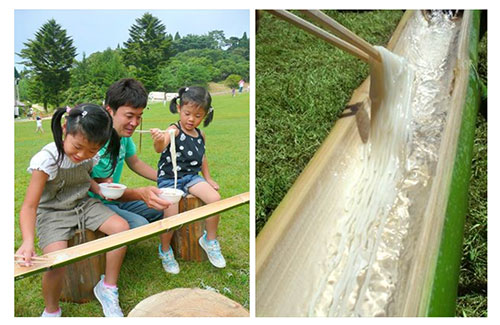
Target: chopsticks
{"points": [[147, 131], [34, 259], [342, 32], [345, 39]]}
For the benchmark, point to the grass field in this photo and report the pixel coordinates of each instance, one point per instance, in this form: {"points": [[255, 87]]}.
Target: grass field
{"points": [[142, 275], [302, 85]]}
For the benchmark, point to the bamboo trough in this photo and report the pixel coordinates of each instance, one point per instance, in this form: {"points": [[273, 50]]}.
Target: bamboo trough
{"points": [[294, 249], [79, 252]]}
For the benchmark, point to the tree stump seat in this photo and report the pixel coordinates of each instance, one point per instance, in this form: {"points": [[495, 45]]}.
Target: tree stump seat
{"points": [[81, 277], [185, 239]]}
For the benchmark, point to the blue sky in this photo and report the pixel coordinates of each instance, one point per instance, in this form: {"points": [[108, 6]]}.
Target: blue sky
{"points": [[96, 30]]}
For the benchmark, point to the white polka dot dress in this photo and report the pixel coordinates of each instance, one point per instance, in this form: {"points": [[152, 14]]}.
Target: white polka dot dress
{"points": [[189, 151]]}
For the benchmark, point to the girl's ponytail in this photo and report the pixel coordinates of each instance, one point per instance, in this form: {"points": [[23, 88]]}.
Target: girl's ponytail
{"points": [[57, 133], [173, 102], [209, 117], [113, 149], [173, 105]]}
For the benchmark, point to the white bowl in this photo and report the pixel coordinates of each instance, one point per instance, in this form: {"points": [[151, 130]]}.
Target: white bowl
{"points": [[112, 190], [171, 195]]}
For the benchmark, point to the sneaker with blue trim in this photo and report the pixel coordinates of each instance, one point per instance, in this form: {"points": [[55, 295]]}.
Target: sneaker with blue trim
{"points": [[168, 261], [212, 248], [108, 297]]}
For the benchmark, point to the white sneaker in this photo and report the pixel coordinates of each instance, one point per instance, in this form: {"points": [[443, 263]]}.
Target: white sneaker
{"points": [[212, 248], [47, 314], [108, 297], [168, 261]]}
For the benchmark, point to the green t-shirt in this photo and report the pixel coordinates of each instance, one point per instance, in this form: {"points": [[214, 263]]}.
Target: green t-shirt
{"points": [[103, 168]]}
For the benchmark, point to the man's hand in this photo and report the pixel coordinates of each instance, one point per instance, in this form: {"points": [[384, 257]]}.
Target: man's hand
{"points": [[104, 180], [150, 196]]}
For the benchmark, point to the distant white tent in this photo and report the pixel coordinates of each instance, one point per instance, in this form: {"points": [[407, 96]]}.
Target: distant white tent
{"points": [[158, 96]]}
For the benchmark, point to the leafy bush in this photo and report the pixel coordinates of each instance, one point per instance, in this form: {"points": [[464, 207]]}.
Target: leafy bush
{"points": [[232, 80]]}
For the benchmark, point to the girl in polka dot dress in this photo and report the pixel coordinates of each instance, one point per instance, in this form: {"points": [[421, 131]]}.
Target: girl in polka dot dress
{"points": [[194, 105]]}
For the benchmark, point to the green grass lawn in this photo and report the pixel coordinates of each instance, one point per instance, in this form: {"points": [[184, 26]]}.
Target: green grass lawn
{"points": [[142, 274], [302, 85]]}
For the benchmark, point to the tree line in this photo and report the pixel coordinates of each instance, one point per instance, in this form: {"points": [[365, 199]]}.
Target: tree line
{"points": [[162, 62]]}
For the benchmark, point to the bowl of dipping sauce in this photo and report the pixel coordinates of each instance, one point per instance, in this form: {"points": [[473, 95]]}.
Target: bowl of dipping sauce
{"points": [[112, 190], [171, 195]]}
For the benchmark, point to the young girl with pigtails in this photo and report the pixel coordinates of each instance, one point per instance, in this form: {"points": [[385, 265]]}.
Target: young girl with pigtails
{"points": [[194, 105], [57, 203]]}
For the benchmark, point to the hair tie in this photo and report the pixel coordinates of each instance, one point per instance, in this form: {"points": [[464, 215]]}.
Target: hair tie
{"points": [[84, 112], [210, 110], [187, 88], [68, 109]]}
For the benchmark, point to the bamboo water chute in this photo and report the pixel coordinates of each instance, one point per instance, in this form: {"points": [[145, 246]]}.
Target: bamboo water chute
{"points": [[301, 241], [79, 252]]}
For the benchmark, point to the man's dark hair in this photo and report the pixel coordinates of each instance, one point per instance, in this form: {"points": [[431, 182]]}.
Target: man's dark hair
{"points": [[126, 92]]}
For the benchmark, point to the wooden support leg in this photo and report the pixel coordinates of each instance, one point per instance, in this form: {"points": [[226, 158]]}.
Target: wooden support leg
{"points": [[81, 277], [185, 239]]}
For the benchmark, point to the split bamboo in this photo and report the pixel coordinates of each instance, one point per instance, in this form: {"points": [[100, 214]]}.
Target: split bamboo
{"points": [[76, 253]]}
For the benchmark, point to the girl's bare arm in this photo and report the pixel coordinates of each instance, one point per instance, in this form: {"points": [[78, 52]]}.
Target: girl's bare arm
{"points": [[161, 139], [27, 215]]}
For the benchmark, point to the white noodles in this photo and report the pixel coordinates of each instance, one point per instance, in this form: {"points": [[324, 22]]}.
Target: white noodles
{"points": [[173, 155]]}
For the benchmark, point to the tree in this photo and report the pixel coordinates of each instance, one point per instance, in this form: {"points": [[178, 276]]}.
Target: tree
{"points": [[88, 93], [23, 89], [188, 72], [91, 77], [221, 63], [218, 37], [49, 56], [213, 55], [191, 41], [232, 80], [105, 68], [239, 46], [245, 44], [226, 67], [147, 49], [80, 73]]}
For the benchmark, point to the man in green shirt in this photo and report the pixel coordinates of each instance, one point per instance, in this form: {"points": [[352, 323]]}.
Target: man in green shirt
{"points": [[125, 101]]}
